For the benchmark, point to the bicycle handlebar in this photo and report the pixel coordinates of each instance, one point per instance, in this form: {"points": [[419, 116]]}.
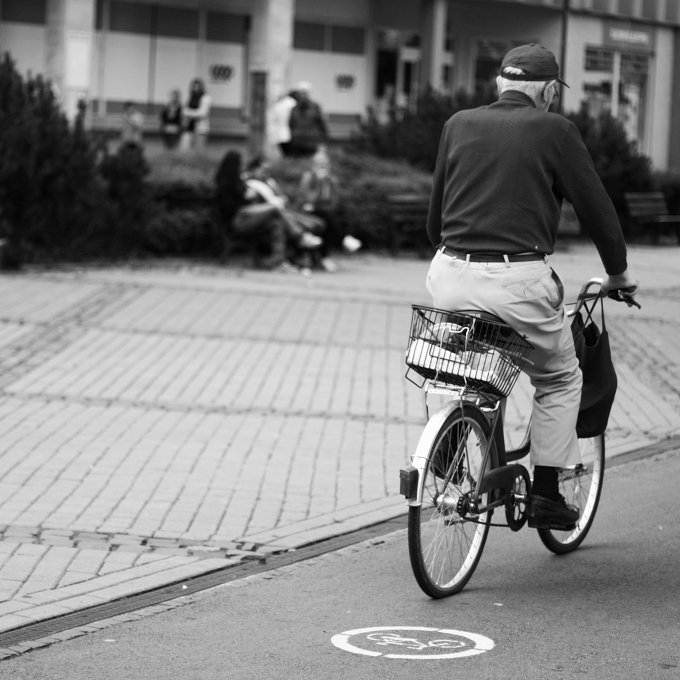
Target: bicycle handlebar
{"points": [[626, 295], [618, 294]]}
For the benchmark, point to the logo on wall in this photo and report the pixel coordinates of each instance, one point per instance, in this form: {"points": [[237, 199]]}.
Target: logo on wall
{"points": [[344, 82], [220, 73]]}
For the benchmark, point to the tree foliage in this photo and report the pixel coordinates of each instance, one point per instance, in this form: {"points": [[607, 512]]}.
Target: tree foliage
{"points": [[414, 135], [618, 161], [49, 190]]}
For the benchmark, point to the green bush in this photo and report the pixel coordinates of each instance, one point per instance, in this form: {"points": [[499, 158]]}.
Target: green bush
{"points": [[50, 194], [618, 162], [184, 232], [62, 196], [130, 203], [414, 136]]}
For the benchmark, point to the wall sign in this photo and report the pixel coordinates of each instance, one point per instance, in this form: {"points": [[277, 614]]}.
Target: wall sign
{"points": [[220, 73], [345, 82], [625, 36]]}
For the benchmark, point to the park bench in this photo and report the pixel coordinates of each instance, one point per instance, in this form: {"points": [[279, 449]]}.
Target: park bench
{"points": [[650, 211], [409, 218]]}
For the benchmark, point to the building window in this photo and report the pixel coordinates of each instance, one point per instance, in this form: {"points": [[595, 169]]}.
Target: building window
{"points": [[230, 28], [176, 22], [24, 11], [127, 17], [326, 38], [601, 5], [308, 36], [634, 64], [649, 9], [627, 7], [347, 40], [599, 59]]}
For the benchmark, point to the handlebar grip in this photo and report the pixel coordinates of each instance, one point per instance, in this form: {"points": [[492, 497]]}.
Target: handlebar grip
{"points": [[619, 295]]}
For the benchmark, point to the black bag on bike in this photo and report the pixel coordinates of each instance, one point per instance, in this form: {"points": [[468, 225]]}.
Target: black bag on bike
{"points": [[599, 377]]}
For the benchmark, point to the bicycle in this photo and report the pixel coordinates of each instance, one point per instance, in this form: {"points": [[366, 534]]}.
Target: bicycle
{"points": [[461, 471]]}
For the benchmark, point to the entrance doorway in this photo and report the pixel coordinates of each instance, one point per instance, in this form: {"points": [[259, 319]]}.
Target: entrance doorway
{"points": [[397, 73]]}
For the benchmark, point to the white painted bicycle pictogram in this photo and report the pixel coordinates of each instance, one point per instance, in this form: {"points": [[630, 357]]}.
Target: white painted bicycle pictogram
{"points": [[417, 642], [413, 643]]}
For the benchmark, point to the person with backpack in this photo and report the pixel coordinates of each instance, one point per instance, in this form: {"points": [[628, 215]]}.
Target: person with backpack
{"points": [[308, 129]]}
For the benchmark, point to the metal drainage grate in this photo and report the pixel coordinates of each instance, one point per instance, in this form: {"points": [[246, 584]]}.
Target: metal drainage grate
{"points": [[84, 617]]}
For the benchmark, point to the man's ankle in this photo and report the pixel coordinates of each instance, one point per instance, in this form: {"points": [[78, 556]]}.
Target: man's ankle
{"points": [[545, 483]]}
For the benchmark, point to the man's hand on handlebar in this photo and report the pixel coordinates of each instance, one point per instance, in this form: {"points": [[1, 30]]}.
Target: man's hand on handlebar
{"points": [[621, 287]]}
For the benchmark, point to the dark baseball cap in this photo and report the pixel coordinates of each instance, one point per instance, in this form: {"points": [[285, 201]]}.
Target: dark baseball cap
{"points": [[535, 61]]}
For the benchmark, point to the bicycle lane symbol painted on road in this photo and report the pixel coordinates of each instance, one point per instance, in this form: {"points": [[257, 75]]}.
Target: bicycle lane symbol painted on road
{"points": [[413, 642]]}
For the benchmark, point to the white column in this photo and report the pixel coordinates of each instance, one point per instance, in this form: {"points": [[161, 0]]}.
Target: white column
{"points": [[271, 43], [434, 30], [270, 54], [70, 47]]}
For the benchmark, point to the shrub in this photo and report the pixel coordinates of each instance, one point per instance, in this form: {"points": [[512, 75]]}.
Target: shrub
{"points": [[184, 232], [183, 168], [130, 203], [414, 136], [618, 162], [49, 190]]}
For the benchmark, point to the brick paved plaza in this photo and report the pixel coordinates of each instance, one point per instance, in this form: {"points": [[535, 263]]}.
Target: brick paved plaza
{"points": [[161, 421]]}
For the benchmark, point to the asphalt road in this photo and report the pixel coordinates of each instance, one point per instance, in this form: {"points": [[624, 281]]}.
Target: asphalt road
{"points": [[609, 610]]}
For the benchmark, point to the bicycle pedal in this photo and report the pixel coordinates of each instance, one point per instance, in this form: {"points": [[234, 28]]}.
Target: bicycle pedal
{"points": [[548, 524]]}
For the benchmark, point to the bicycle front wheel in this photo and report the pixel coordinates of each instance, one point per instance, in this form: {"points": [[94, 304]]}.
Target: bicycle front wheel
{"points": [[445, 537], [581, 485]]}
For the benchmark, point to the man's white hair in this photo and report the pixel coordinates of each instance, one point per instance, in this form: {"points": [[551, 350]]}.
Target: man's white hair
{"points": [[532, 88]]}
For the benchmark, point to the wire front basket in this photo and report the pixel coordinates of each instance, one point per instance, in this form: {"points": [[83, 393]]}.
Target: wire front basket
{"points": [[464, 350]]}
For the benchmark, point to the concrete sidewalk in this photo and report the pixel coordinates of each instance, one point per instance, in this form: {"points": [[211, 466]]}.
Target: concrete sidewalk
{"points": [[164, 421]]}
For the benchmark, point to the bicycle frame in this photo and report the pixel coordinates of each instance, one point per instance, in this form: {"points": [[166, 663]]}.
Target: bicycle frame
{"points": [[494, 413]]}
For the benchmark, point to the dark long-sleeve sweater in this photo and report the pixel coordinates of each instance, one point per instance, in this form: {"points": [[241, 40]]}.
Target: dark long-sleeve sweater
{"points": [[501, 174]]}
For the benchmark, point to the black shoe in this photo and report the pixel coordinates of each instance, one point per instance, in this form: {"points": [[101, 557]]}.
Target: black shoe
{"points": [[547, 514]]}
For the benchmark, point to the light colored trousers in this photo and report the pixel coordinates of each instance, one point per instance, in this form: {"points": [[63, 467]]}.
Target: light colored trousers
{"points": [[529, 297]]}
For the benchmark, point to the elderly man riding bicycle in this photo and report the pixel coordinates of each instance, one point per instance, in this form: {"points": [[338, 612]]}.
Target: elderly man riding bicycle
{"points": [[501, 175]]}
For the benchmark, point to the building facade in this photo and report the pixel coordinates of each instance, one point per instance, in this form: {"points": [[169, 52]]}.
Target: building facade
{"points": [[618, 55]]}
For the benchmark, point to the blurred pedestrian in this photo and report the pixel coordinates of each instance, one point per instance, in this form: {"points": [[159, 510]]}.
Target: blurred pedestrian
{"points": [[251, 208], [196, 115], [132, 126], [318, 194], [171, 120], [279, 122], [307, 125], [304, 230]]}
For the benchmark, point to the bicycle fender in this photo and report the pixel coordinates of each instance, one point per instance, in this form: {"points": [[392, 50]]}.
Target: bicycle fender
{"points": [[420, 457]]}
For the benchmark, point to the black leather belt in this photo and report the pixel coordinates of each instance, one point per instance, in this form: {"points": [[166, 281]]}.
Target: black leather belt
{"points": [[492, 257]]}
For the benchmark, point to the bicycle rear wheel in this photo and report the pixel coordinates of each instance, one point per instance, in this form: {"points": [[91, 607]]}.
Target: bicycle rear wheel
{"points": [[445, 538], [581, 485]]}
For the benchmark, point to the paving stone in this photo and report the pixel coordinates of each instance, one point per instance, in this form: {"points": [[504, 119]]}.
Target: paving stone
{"points": [[182, 452]]}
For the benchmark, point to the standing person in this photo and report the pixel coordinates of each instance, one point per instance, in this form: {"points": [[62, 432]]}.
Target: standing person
{"points": [[319, 196], [197, 117], [307, 125], [502, 172], [171, 120], [132, 126], [279, 122]]}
